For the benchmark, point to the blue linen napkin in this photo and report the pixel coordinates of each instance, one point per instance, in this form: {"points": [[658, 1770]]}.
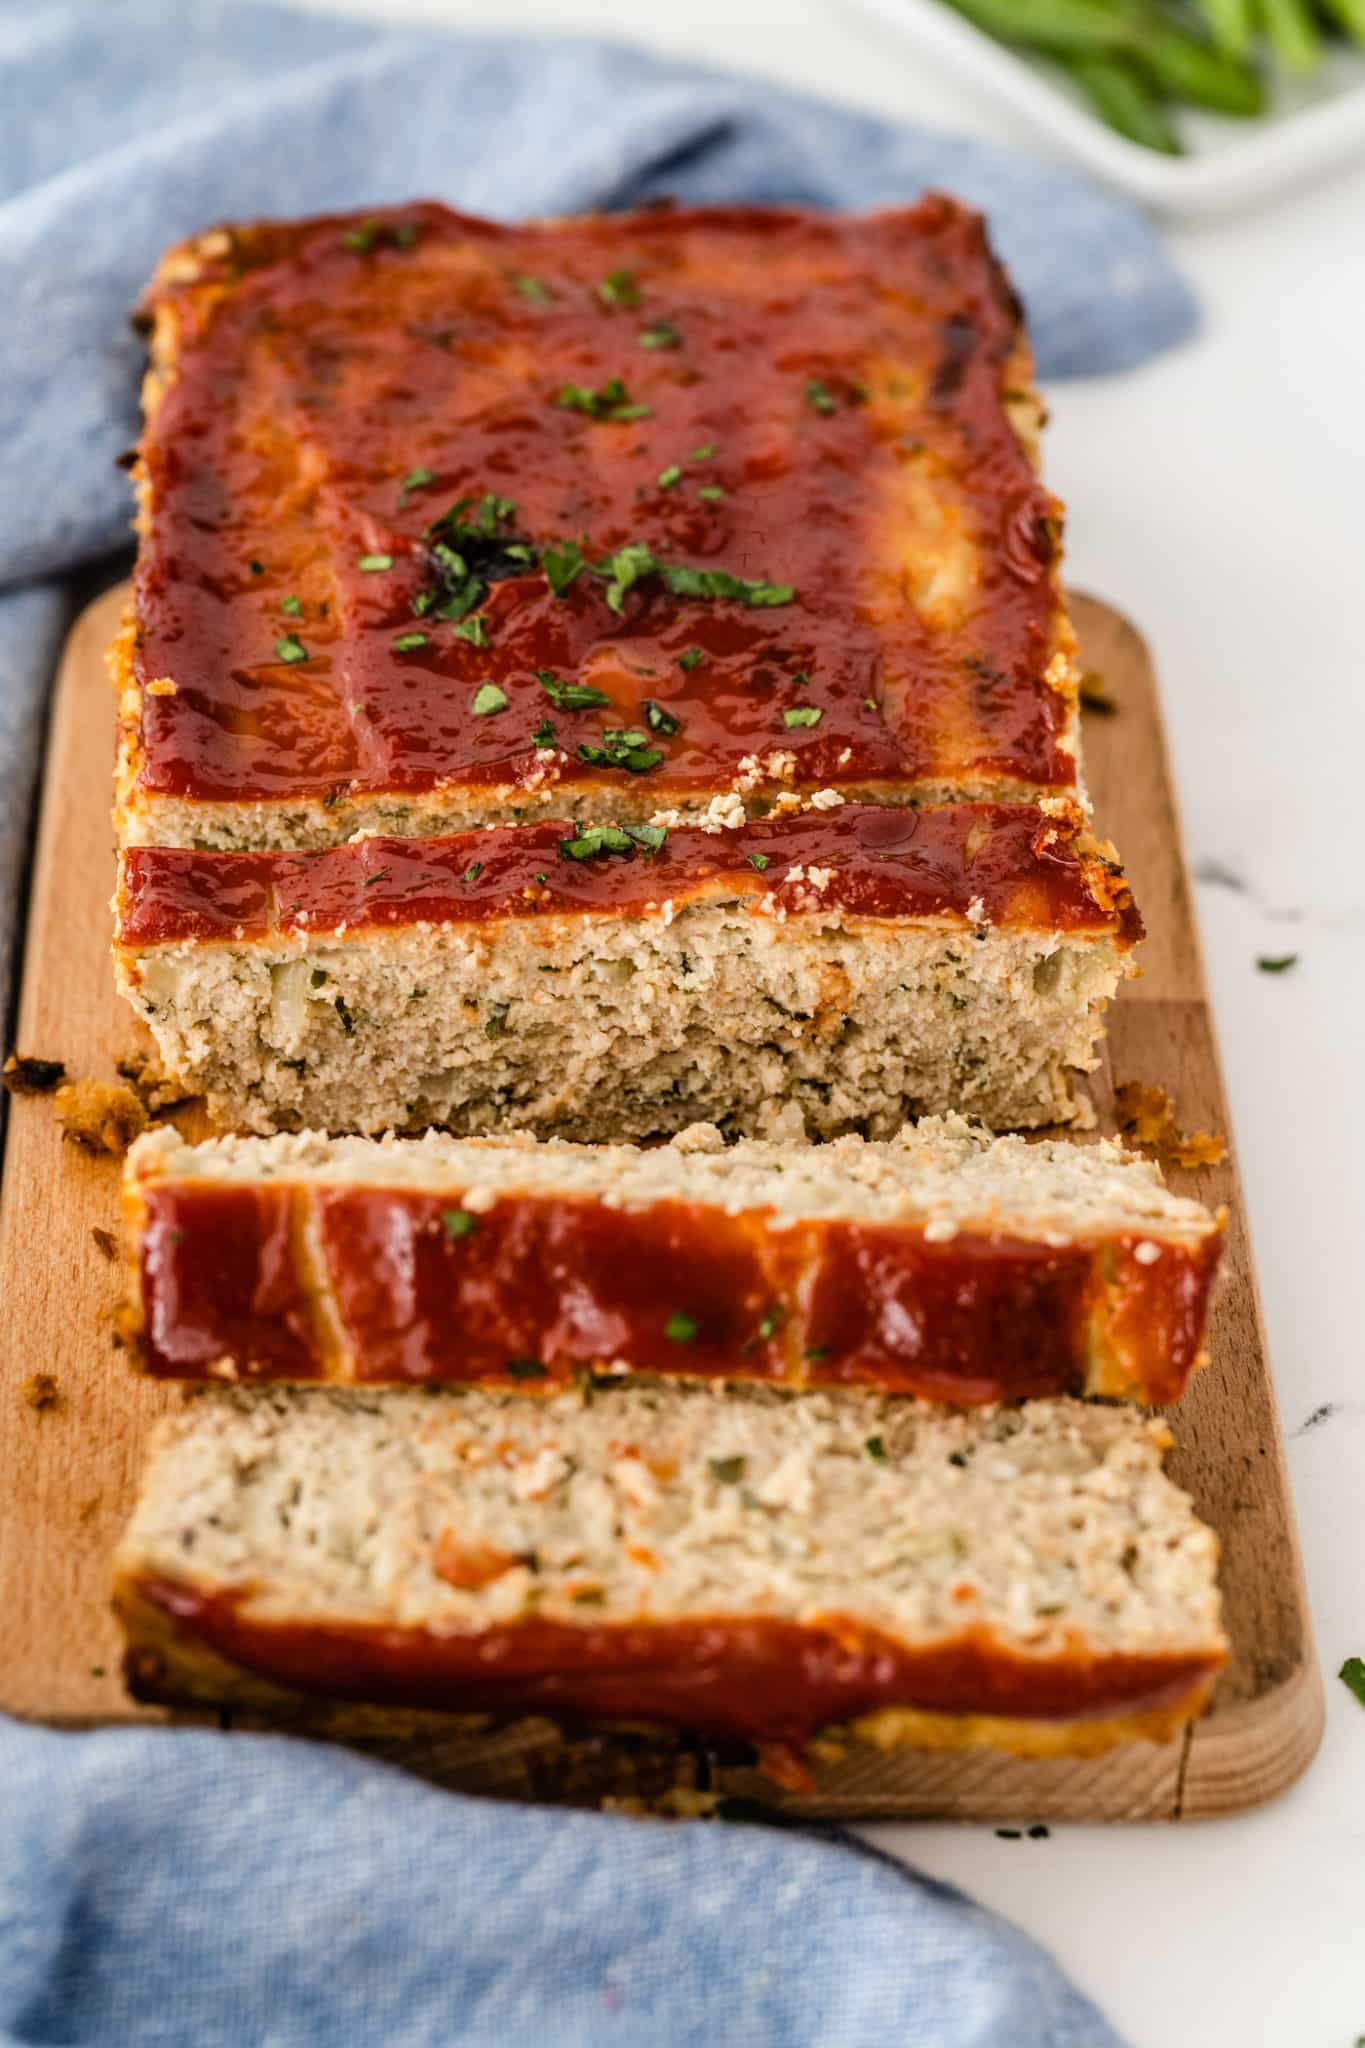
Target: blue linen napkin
{"points": [[187, 1888]]}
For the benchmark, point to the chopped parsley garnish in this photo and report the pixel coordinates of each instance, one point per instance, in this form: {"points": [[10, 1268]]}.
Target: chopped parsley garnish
{"points": [[663, 334], [729, 1471], [473, 871], [817, 1350], [802, 714], [612, 402], [613, 839], [531, 288], [417, 480], [291, 606], [876, 1449], [667, 478], [1276, 963], [680, 1328], [1352, 1674], [704, 453], [712, 492], [770, 1324], [459, 1222], [474, 630], [487, 699], [291, 648], [372, 564], [690, 658], [819, 396], [379, 875], [561, 565], [759, 861], [659, 720], [525, 1369], [545, 735], [406, 642], [496, 1024], [627, 749], [570, 696], [632, 563], [371, 232], [619, 288], [422, 603]]}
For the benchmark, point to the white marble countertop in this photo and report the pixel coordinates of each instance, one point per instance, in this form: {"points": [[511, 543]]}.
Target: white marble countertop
{"points": [[1218, 497]]}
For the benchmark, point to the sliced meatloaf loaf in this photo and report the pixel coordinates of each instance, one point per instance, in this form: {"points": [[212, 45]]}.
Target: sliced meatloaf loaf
{"points": [[436, 514], [750, 1565], [943, 1263], [868, 963]]}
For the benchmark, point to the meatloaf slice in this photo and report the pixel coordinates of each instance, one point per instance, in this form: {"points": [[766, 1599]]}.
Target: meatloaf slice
{"points": [[943, 1263], [866, 963], [746, 1564]]}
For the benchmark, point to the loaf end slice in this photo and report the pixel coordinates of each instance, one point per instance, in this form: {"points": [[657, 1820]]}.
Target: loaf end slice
{"points": [[747, 1565]]}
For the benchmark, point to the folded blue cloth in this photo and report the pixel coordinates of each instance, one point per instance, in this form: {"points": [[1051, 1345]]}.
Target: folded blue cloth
{"points": [[193, 1889]]}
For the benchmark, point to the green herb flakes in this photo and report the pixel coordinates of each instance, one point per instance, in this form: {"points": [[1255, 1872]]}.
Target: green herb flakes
{"points": [[625, 748], [417, 480], [680, 1328], [379, 875], [570, 696], [1276, 963], [705, 453], [659, 720], [487, 700], [612, 402], [759, 861], [729, 1471], [373, 565], [802, 714], [876, 1450], [1352, 1674], [531, 289], [291, 648], [619, 289], [819, 397], [586, 845], [561, 565], [473, 871], [690, 658], [651, 837], [474, 630], [459, 1222], [712, 493], [669, 478], [291, 607], [663, 334], [407, 642], [544, 735]]}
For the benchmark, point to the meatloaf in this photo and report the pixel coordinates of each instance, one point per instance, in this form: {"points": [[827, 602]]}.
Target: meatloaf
{"points": [[436, 513], [866, 963], [943, 1264], [747, 1564]]}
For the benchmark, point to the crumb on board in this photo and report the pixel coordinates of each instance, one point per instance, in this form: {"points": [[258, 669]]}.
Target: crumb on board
{"points": [[153, 1086], [679, 1802], [23, 1075], [41, 1391], [1146, 1114], [103, 1116], [87, 1508], [105, 1241], [1094, 694]]}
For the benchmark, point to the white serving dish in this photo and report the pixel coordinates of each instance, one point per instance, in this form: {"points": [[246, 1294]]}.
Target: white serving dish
{"points": [[1312, 126]]}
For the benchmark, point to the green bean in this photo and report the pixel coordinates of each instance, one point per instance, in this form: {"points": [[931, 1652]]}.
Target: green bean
{"points": [[1229, 24], [1064, 26], [1123, 99], [1292, 33], [1348, 15], [1191, 70]]}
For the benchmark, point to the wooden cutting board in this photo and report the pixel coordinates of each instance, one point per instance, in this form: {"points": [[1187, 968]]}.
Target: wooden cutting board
{"points": [[70, 1466]]}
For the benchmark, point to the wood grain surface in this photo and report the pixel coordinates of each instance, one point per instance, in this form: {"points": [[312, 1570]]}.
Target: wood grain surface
{"points": [[69, 1467]]}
